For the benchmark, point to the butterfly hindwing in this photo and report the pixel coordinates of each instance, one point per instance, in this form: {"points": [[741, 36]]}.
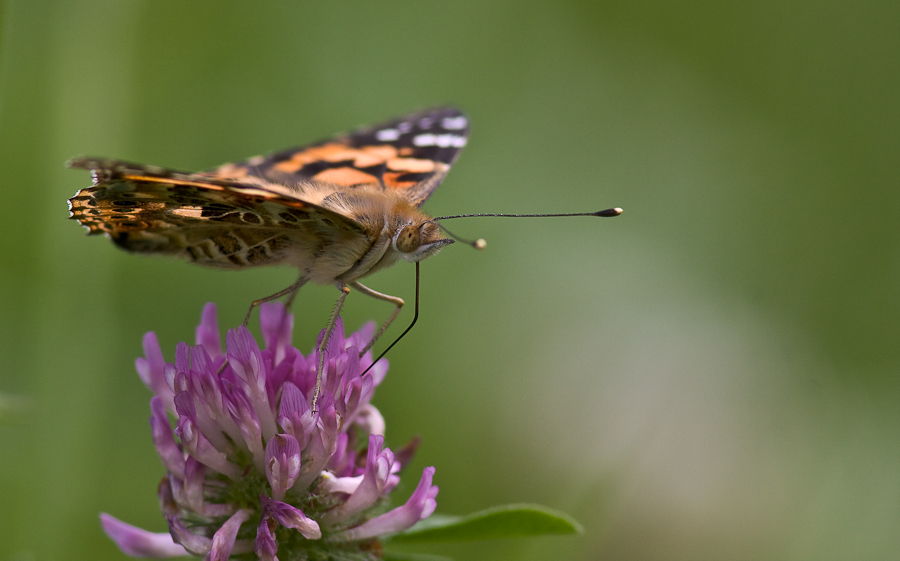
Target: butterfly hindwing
{"points": [[410, 154], [146, 209]]}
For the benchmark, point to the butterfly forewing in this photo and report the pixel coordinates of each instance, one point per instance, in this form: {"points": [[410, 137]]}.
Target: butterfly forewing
{"points": [[410, 155]]}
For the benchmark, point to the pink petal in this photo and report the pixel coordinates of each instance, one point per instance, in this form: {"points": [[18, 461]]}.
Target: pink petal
{"points": [[419, 506], [224, 538], [140, 543]]}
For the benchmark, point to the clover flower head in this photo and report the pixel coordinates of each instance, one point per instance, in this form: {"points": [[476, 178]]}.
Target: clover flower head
{"points": [[252, 465]]}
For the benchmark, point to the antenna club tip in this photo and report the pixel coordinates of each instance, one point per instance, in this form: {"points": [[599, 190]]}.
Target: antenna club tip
{"points": [[609, 212], [480, 243]]}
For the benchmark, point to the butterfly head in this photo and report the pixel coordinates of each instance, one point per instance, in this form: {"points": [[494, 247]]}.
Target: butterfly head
{"points": [[416, 242]]}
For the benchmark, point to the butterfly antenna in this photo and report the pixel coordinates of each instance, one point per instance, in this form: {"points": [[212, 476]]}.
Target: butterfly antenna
{"points": [[481, 244], [607, 213], [414, 320]]}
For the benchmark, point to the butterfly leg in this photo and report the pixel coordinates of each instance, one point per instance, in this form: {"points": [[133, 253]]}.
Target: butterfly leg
{"points": [[345, 290], [291, 291], [398, 302]]}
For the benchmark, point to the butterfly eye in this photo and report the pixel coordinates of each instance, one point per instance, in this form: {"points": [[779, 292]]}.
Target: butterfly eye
{"points": [[407, 239]]}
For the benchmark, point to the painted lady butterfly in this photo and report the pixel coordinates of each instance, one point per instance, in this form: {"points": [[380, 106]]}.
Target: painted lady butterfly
{"points": [[338, 210]]}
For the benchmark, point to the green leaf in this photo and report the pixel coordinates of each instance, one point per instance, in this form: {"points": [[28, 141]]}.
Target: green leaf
{"points": [[508, 521]]}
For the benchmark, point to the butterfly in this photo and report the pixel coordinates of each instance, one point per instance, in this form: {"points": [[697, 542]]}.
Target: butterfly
{"points": [[337, 210]]}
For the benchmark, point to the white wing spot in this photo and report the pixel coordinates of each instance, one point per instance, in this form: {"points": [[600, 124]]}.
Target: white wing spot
{"points": [[454, 123], [387, 135], [256, 160], [425, 123], [404, 127], [188, 211], [424, 140], [440, 140]]}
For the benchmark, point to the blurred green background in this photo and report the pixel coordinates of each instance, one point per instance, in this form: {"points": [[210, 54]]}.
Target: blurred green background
{"points": [[713, 375]]}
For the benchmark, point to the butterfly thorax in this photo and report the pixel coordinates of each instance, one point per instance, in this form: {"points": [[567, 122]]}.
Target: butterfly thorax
{"points": [[392, 228]]}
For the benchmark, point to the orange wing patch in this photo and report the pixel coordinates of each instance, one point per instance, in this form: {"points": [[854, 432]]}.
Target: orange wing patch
{"points": [[392, 180], [415, 165], [229, 171], [345, 176]]}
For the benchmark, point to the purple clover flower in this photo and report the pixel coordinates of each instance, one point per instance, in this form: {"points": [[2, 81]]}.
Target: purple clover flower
{"points": [[253, 466]]}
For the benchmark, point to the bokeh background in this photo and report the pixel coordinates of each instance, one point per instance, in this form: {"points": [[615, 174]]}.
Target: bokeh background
{"points": [[713, 375]]}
